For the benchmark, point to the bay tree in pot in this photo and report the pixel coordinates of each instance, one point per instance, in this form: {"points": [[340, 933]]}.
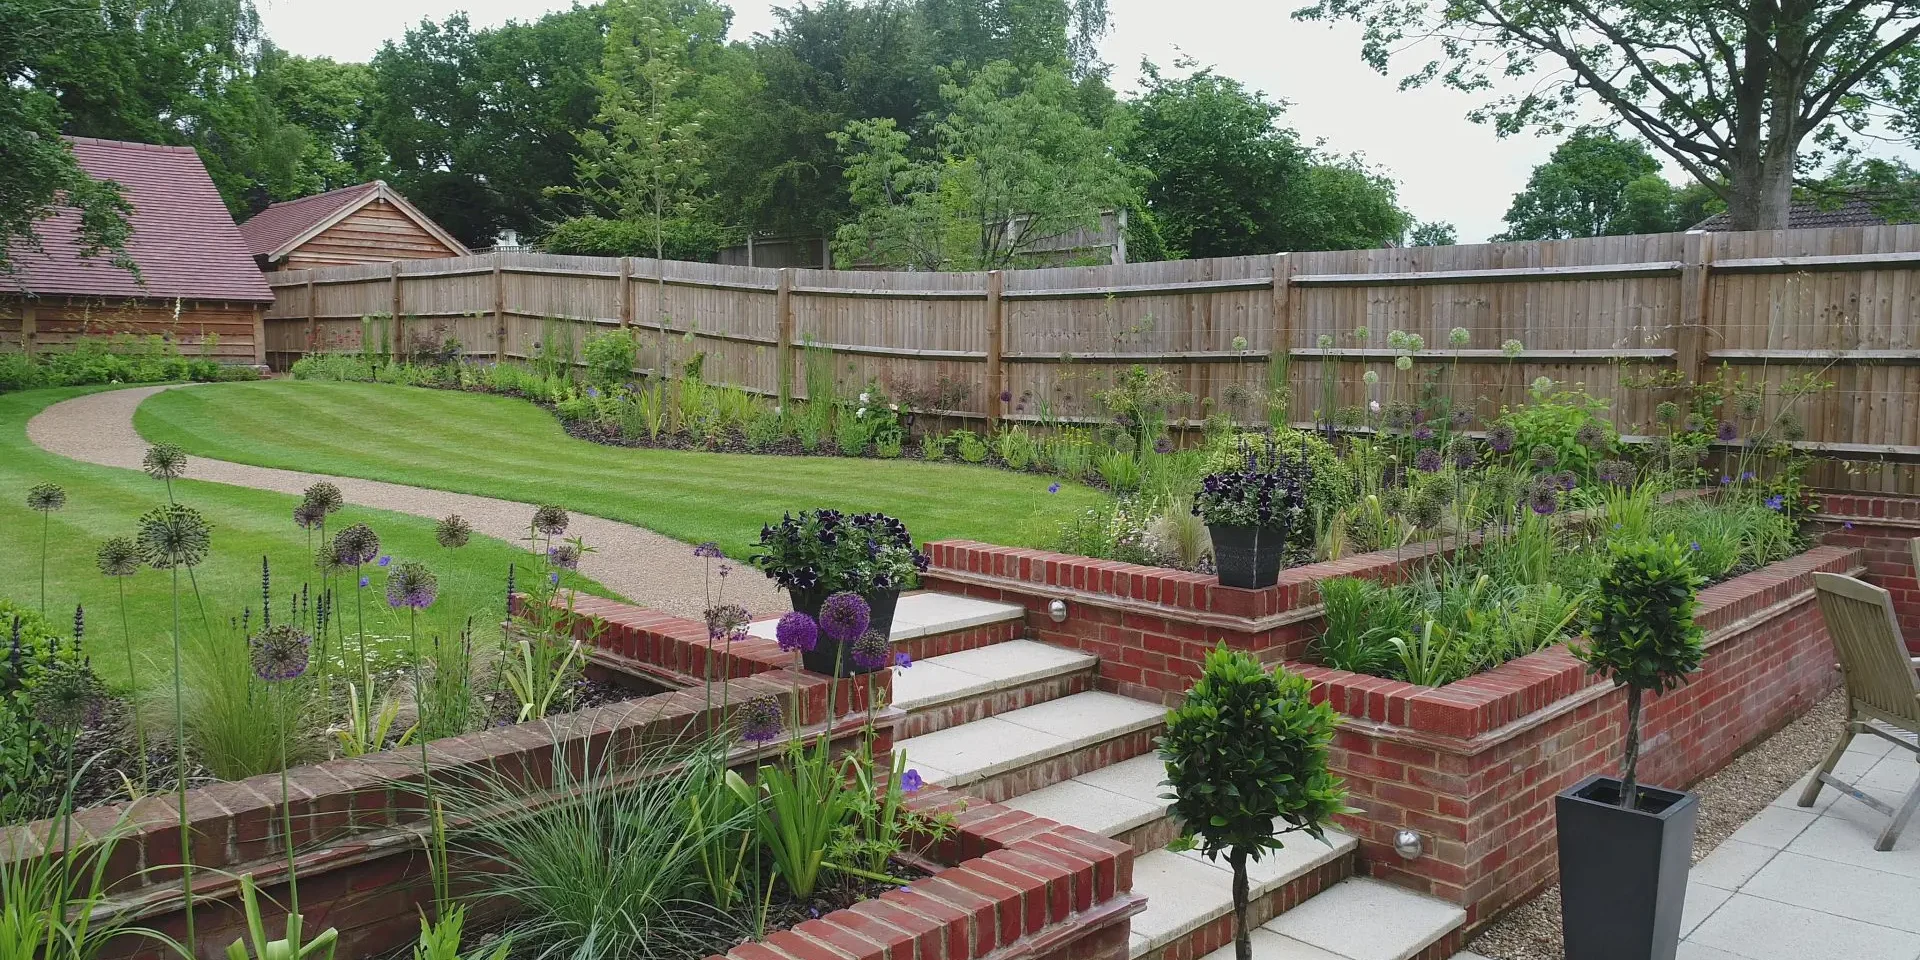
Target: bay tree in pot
{"points": [[1246, 756], [1625, 847], [1250, 511], [815, 554]]}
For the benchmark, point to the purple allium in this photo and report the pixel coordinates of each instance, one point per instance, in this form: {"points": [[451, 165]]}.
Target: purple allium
{"points": [[307, 515], [1502, 437], [708, 550], [1591, 435], [1544, 497], [870, 652], [1617, 472], [726, 620], [1727, 432], [1461, 419], [1163, 445], [566, 556], [1423, 432], [910, 781], [550, 520], [452, 532], [1566, 480], [174, 535], [1462, 452], [1427, 460], [411, 584], [1006, 396], [760, 720], [355, 546], [796, 632], [279, 653], [903, 660], [1544, 456], [845, 616], [324, 495]]}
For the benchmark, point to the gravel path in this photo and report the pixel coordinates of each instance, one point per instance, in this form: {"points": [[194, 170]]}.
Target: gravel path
{"points": [[643, 566], [1728, 799]]}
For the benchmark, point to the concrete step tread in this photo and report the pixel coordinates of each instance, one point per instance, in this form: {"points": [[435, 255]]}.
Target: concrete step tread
{"points": [[1109, 801], [928, 614], [1186, 891], [1364, 919], [969, 673], [961, 755]]}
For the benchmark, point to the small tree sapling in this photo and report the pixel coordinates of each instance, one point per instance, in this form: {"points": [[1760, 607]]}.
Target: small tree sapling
{"points": [[1643, 636], [1246, 756]]}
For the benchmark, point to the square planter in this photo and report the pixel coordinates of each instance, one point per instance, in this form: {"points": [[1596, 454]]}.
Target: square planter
{"points": [[1623, 872]]}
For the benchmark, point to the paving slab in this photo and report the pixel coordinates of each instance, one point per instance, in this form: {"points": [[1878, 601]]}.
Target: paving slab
{"points": [[1761, 929], [1139, 778], [1182, 893], [1364, 919], [983, 748], [1841, 889], [1731, 863], [1088, 807], [1268, 945], [1702, 901], [928, 682], [970, 673], [1090, 717], [1776, 827]]}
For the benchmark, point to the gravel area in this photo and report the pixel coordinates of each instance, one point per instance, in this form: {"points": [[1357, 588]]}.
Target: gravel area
{"points": [[643, 566], [1728, 799]]}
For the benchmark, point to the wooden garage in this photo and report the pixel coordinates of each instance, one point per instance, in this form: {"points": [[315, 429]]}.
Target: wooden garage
{"points": [[366, 223]]}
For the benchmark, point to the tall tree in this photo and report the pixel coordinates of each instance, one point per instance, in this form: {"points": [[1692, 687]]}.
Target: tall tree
{"points": [[329, 103], [1595, 184], [1730, 91], [1344, 204], [38, 175]]}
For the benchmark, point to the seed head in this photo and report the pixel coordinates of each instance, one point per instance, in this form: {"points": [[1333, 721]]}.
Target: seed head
{"points": [[453, 531], [118, 557], [324, 495], [164, 461], [411, 584], [356, 545], [174, 535], [550, 520], [46, 497]]}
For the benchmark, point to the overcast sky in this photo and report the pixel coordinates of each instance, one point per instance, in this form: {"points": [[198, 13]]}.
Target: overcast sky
{"points": [[1448, 167]]}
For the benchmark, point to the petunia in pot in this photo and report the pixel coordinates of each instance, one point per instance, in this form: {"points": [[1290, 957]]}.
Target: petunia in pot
{"points": [[816, 554], [1250, 511]]}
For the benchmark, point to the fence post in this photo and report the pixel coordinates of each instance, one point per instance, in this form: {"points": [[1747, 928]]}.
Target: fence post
{"points": [[399, 335], [1690, 334], [1281, 350], [313, 327], [996, 322], [783, 342], [626, 292], [499, 311]]}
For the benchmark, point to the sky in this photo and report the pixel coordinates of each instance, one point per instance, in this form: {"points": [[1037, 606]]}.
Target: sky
{"points": [[1448, 167]]}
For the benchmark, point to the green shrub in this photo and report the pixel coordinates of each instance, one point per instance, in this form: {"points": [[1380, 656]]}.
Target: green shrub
{"points": [[332, 366], [1246, 756], [1571, 423], [1120, 471], [968, 446], [764, 429], [18, 372], [1017, 448], [37, 660], [851, 434], [683, 238], [609, 358], [1361, 615]]}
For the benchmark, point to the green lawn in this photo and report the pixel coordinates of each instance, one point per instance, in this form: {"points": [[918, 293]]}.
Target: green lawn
{"points": [[503, 447], [247, 524]]}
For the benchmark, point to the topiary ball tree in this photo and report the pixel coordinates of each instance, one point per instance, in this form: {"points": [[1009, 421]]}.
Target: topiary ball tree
{"points": [[1246, 754], [1642, 634]]}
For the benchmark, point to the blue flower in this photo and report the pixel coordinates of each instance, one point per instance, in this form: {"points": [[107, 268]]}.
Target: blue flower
{"points": [[1053, 488], [593, 394], [1746, 475], [902, 660], [363, 581], [910, 781], [1776, 502], [1695, 546], [1847, 525], [385, 561], [553, 578], [1724, 479]]}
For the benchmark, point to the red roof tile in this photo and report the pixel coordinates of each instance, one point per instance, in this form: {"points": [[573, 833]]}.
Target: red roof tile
{"points": [[270, 229], [183, 238]]}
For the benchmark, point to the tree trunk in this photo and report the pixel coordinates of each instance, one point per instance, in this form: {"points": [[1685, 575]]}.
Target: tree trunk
{"points": [[1242, 936], [1629, 774]]}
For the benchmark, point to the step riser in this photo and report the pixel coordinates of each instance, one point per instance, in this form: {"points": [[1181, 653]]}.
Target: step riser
{"points": [[924, 720], [1020, 780], [1218, 932], [1151, 835], [970, 638]]}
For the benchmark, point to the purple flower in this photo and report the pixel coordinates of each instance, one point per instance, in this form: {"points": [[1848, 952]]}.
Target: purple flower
{"points": [[1746, 475], [1502, 437], [911, 781], [1427, 461], [593, 393], [1724, 479], [553, 578], [1726, 433], [903, 660], [1544, 497], [845, 616], [411, 584], [279, 653], [1694, 546], [385, 561], [1776, 502], [1006, 396], [708, 550], [1461, 419], [1163, 445], [1053, 487], [566, 556], [1848, 525], [355, 545], [870, 651], [760, 720], [726, 620], [363, 581], [796, 632], [1423, 432]]}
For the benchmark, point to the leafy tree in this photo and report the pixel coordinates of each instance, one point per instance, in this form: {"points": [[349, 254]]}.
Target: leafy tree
{"points": [[1013, 164], [1731, 92], [1246, 752], [1596, 184], [1346, 205], [1432, 233], [330, 103], [38, 174]]}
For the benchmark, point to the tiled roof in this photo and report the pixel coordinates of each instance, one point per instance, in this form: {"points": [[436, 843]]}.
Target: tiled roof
{"points": [[184, 241], [270, 229], [1808, 213]]}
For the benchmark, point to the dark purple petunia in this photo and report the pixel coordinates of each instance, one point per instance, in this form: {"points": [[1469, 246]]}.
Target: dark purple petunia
{"points": [[845, 616]]}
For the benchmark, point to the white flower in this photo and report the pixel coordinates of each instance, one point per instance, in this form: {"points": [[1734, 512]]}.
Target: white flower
{"points": [[776, 409], [894, 407], [860, 413], [863, 398], [1373, 406]]}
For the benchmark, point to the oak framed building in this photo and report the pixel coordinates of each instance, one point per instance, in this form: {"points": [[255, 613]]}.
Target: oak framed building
{"points": [[194, 282], [364, 223]]}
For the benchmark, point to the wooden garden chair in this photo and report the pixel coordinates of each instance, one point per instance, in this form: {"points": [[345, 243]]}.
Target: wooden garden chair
{"points": [[1883, 691]]}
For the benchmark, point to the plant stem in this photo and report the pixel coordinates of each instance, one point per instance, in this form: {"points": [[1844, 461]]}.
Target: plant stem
{"points": [[1242, 937], [180, 765], [133, 702], [46, 522], [286, 811], [1628, 781]]}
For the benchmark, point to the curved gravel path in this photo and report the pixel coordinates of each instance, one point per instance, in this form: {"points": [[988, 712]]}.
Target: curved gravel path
{"points": [[647, 568]]}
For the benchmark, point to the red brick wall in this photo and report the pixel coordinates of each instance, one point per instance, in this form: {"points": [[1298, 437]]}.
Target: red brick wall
{"points": [[1882, 528]]}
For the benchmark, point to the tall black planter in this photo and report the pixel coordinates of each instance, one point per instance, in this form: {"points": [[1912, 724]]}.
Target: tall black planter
{"points": [[1623, 872], [1247, 557], [830, 657]]}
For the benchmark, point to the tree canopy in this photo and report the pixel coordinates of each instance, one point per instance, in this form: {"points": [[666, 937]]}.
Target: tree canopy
{"points": [[1598, 184]]}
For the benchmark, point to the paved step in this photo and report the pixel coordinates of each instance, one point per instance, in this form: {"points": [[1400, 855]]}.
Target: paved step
{"points": [[928, 624], [1122, 801], [1190, 898], [1023, 750], [1358, 919], [947, 691]]}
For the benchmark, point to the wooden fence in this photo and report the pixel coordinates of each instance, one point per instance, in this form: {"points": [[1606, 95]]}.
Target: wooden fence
{"points": [[1842, 303]]}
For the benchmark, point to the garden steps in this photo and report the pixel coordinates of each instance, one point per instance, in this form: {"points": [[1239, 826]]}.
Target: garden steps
{"points": [[929, 624], [957, 688], [1357, 919], [1022, 750]]}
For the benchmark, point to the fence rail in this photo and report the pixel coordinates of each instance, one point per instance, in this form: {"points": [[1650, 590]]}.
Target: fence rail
{"points": [[1842, 303]]}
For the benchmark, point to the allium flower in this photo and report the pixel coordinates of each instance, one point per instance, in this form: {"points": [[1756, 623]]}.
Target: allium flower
{"points": [[1566, 480], [1591, 435], [280, 653], [910, 780], [903, 660], [845, 616], [550, 520], [1542, 384], [1371, 378], [1006, 396], [356, 545], [870, 652], [1373, 406], [1459, 337], [726, 620], [174, 536], [453, 531], [796, 632], [1397, 339], [1239, 343], [708, 550], [1361, 333], [1163, 445], [1403, 363], [1427, 460], [1512, 349], [411, 584], [46, 497], [1460, 419], [1544, 456], [1747, 405], [1616, 472], [1427, 511], [164, 461], [1543, 497], [118, 557], [1727, 432], [1423, 432], [324, 495], [67, 696], [760, 720], [307, 515], [566, 556], [1667, 412], [1462, 452], [1416, 342], [1324, 341]]}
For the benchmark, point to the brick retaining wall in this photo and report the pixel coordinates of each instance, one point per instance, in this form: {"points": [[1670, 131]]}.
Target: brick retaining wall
{"points": [[1882, 528]]}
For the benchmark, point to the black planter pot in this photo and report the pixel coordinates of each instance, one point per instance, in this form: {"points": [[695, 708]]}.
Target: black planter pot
{"points": [[1247, 557], [1623, 872], [830, 657]]}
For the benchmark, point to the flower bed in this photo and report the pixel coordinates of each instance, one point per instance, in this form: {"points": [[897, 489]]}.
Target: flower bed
{"points": [[1471, 766]]}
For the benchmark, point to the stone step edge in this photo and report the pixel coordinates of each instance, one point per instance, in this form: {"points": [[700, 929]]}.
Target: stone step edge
{"points": [[1331, 865], [960, 781], [1074, 661], [936, 714], [1441, 937]]}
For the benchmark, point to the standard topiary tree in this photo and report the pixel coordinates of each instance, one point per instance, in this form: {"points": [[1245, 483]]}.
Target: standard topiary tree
{"points": [[1643, 636], [1245, 754]]}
